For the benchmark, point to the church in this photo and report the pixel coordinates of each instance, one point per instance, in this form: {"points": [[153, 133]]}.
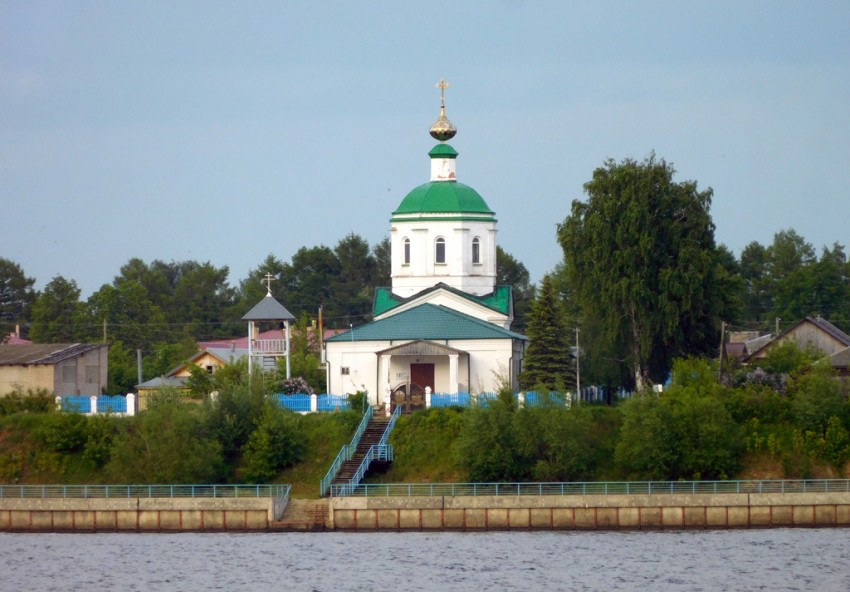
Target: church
{"points": [[444, 324]]}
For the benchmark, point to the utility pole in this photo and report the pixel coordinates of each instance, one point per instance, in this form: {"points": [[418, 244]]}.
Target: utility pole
{"points": [[104, 329], [578, 369], [321, 331], [777, 326], [722, 340]]}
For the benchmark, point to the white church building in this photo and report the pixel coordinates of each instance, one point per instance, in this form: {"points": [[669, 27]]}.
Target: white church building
{"points": [[444, 324]]}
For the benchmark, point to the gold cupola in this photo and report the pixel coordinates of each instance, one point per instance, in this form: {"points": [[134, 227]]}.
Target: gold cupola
{"points": [[443, 129]]}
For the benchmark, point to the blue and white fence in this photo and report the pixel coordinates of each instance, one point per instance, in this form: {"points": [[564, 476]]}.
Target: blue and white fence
{"points": [[98, 405], [590, 394], [304, 403]]}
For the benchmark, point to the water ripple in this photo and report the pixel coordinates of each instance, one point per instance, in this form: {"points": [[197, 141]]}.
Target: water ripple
{"points": [[779, 559]]}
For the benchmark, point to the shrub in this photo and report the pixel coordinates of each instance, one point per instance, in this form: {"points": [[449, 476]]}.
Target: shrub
{"points": [[275, 444], [63, 432], [165, 445], [31, 401]]}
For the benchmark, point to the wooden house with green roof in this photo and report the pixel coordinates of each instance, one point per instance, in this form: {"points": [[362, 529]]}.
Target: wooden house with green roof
{"points": [[444, 324]]}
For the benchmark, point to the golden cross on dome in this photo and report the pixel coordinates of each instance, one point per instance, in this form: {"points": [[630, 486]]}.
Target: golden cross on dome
{"points": [[442, 85], [268, 282]]}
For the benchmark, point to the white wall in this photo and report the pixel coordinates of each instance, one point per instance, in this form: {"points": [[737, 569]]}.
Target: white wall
{"points": [[488, 360], [458, 271]]}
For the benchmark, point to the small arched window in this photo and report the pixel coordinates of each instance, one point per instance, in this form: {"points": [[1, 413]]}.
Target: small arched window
{"points": [[407, 251], [440, 250], [476, 250]]}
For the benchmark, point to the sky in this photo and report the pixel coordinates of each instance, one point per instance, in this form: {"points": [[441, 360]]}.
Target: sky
{"points": [[225, 131]]}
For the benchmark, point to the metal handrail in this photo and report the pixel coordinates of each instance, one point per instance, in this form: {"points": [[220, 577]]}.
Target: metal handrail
{"points": [[376, 452], [143, 491], [598, 488], [345, 452], [380, 451], [390, 425]]}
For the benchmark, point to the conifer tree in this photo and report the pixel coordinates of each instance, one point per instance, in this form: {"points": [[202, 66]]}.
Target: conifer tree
{"points": [[547, 361]]}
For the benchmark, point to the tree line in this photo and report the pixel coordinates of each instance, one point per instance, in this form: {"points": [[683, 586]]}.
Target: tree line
{"points": [[165, 308], [786, 419], [240, 436], [643, 282]]}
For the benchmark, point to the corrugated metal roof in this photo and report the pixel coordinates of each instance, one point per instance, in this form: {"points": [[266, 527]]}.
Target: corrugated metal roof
{"points": [[761, 344], [427, 321], [164, 382], [43, 353], [268, 309], [830, 329], [242, 341]]}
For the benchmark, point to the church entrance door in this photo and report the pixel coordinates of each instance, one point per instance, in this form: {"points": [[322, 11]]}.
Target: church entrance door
{"points": [[423, 375], [411, 395]]}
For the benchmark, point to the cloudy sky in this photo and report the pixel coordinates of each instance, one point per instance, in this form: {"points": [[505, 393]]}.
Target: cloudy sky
{"points": [[225, 131]]}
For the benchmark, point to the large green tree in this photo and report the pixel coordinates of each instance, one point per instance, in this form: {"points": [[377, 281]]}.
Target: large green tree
{"points": [[354, 285], [511, 272], [641, 257], [58, 315], [16, 296], [382, 252], [253, 288], [547, 363], [786, 281], [307, 280]]}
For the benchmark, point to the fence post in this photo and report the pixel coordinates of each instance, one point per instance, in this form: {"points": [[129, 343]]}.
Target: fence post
{"points": [[58, 403], [131, 404], [93, 409], [521, 399], [427, 397], [314, 403]]}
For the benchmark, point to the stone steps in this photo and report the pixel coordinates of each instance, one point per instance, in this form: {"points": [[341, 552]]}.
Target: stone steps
{"points": [[303, 515]]}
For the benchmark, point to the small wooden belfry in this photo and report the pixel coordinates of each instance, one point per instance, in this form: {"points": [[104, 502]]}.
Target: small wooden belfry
{"points": [[264, 353]]}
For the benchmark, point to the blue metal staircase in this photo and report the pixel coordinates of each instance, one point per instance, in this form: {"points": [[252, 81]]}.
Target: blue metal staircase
{"points": [[370, 444]]}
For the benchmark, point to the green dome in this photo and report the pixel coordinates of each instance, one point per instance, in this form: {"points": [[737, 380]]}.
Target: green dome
{"points": [[443, 197]]}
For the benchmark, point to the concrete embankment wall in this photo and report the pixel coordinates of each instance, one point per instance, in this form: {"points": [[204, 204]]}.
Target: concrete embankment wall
{"points": [[137, 514], [479, 513], [591, 512]]}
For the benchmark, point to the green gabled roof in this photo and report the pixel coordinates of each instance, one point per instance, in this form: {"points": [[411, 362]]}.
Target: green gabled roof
{"points": [[443, 197], [499, 299], [429, 322]]}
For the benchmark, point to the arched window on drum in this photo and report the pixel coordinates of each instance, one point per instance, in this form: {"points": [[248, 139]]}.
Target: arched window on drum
{"points": [[440, 250]]}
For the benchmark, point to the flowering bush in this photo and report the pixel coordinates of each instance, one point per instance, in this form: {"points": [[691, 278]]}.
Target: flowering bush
{"points": [[295, 385]]}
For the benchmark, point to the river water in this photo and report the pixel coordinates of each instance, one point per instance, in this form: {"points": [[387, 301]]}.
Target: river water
{"points": [[778, 559]]}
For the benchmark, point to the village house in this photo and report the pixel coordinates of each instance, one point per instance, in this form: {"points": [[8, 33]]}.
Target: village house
{"points": [[813, 333], [60, 368]]}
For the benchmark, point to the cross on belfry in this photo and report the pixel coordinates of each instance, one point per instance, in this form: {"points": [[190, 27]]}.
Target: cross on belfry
{"points": [[268, 282], [443, 85]]}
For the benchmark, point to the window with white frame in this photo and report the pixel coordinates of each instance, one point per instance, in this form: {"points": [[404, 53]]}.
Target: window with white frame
{"points": [[440, 250], [476, 250], [407, 251]]}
